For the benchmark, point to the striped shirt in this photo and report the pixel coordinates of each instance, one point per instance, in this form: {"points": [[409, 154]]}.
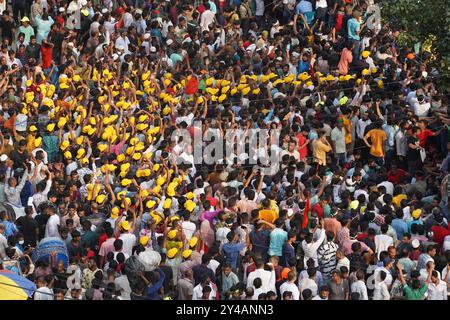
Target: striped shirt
{"points": [[326, 255]]}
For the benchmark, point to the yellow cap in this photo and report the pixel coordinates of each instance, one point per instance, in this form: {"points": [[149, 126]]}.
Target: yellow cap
{"points": [[100, 198], [80, 153], [193, 242], [32, 128], [190, 195], [167, 203], [126, 182], [125, 225], [68, 155], [172, 253], [416, 213], [50, 127], [102, 147], [65, 144], [137, 156], [365, 54], [150, 204], [114, 212], [365, 72], [120, 157], [144, 240], [172, 234], [186, 253]]}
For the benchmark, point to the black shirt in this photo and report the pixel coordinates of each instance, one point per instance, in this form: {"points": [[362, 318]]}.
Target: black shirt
{"points": [[169, 277], [19, 158], [27, 226], [412, 154], [41, 220]]}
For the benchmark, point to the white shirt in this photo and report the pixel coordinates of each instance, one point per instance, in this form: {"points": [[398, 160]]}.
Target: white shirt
{"points": [[267, 279], [213, 264], [360, 287], [123, 285], [129, 240], [43, 293], [198, 293], [388, 279], [307, 283], [381, 291], [189, 229], [51, 228], [382, 243], [3, 246], [420, 109], [206, 19], [310, 249], [437, 292], [288, 286]]}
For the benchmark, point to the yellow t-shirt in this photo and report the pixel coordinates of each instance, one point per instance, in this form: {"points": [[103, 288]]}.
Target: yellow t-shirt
{"points": [[268, 215], [348, 129], [378, 139], [398, 199], [320, 150]]}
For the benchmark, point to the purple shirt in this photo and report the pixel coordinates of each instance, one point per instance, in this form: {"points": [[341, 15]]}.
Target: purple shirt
{"points": [[209, 215]]}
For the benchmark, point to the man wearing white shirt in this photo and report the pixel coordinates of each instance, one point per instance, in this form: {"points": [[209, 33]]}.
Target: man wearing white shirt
{"points": [[289, 285], [52, 226], [383, 241], [267, 277], [359, 286], [198, 290], [437, 288], [207, 18], [309, 283], [310, 247]]}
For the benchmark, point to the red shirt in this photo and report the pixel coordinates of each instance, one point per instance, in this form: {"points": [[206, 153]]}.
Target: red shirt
{"points": [[396, 178], [303, 151], [439, 233], [102, 239], [423, 135], [317, 208], [47, 56], [339, 20], [213, 201]]}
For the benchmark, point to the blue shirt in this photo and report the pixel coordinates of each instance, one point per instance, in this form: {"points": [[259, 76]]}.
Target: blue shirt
{"points": [[212, 6], [288, 253], [10, 228], [277, 239], [152, 289], [231, 252], [303, 7], [303, 66], [352, 27], [410, 223], [400, 226]]}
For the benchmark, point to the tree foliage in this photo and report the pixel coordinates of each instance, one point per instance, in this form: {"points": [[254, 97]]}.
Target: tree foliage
{"points": [[425, 21]]}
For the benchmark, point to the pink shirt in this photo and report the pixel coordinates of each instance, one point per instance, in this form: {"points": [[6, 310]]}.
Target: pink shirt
{"points": [[107, 247], [346, 59]]}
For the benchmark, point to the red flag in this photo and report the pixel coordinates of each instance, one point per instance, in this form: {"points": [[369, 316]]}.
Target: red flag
{"points": [[191, 86], [306, 212]]}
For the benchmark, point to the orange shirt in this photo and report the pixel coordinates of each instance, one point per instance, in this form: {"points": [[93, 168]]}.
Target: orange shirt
{"points": [[348, 129], [268, 215], [378, 139]]}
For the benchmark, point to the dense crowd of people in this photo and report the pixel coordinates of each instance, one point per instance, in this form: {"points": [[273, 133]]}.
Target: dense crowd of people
{"points": [[103, 198]]}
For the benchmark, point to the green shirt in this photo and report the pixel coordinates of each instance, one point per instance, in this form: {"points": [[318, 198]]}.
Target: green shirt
{"points": [[28, 32], [414, 294]]}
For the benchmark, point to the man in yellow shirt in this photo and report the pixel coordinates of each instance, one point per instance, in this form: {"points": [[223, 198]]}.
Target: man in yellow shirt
{"points": [[377, 143], [266, 213], [320, 148]]}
